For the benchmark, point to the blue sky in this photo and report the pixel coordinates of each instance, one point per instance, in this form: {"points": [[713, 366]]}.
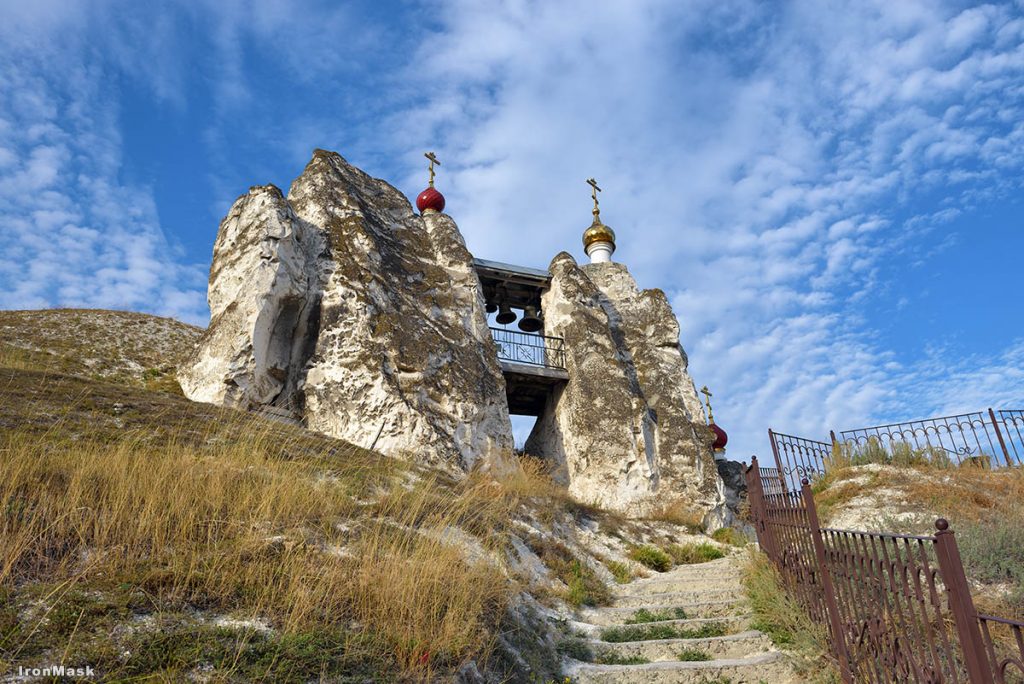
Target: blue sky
{"points": [[829, 192]]}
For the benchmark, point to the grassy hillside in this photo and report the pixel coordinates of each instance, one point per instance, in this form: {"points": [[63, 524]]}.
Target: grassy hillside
{"points": [[147, 535], [116, 346], [983, 506]]}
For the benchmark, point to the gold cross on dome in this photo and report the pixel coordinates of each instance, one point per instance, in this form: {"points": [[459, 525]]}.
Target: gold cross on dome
{"points": [[433, 160], [593, 193], [707, 400]]}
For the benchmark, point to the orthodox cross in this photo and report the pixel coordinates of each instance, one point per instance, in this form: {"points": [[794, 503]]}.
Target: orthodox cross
{"points": [[707, 400], [593, 193], [433, 160]]}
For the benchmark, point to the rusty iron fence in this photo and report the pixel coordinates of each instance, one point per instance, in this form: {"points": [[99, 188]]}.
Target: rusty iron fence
{"points": [[991, 439], [897, 608]]}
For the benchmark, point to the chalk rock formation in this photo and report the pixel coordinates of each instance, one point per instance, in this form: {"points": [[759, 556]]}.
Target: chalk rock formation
{"points": [[627, 431], [344, 307]]}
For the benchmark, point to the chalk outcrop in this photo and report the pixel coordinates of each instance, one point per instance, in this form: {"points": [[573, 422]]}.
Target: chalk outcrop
{"points": [[627, 431], [364, 320], [339, 307]]}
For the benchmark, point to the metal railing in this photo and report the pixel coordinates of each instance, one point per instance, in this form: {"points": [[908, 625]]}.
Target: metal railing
{"points": [[990, 439], [535, 350], [897, 608]]}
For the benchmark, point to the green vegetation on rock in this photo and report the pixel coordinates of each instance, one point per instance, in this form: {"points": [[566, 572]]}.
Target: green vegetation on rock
{"points": [[643, 615], [651, 557], [648, 632], [689, 554]]}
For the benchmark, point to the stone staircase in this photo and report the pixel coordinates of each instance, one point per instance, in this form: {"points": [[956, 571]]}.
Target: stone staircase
{"points": [[702, 603]]}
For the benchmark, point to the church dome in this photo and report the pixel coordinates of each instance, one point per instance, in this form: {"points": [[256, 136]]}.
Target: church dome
{"points": [[430, 200], [721, 438], [598, 232]]}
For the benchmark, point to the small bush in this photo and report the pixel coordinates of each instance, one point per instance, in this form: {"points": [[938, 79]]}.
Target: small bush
{"points": [[688, 554], [616, 659], [585, 588], [651, 557], [649, 632], [693, 655], [993, 552], [729, 535], [643, 616], [577, 649], [620, 571], [786, 624]]}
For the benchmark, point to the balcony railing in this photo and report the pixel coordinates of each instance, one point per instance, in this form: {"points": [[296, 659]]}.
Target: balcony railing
{"points": [[535, 350]]}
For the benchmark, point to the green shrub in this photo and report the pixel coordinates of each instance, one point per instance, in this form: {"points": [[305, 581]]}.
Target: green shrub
{"points": [[729, 535], [693, 655], [615, 659], [993, 552], [620, 571], [688, 554], [643, 616], [903, 454], [577, 649], [650, 632], [585, 587], [651, 557], [785, 622]]}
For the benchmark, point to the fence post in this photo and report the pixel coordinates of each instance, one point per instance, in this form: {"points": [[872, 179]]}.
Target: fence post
{"points": [[755, 498], [831, 605], [961, 604], [778, 461], [999, 434]]}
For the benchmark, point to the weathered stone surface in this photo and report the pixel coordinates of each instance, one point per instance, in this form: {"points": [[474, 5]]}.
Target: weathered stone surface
{"points": [[259, 283], [627, 431], [734, 489], [360, 316]]}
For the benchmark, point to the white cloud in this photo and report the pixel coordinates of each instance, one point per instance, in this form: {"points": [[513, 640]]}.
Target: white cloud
{"points": [[762, 187], [73, 234], [760, 163]]}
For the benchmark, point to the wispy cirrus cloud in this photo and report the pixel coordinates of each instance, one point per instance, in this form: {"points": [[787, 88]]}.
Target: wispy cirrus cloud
{"points": [[773, 169], [74, 234], [792, 175]]}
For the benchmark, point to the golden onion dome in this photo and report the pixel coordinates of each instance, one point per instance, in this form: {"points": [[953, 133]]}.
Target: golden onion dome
{"points": [[598, 232]]}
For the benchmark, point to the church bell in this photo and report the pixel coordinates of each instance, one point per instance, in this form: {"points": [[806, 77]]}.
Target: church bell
{"points": [[531, 321], [505, 314]]}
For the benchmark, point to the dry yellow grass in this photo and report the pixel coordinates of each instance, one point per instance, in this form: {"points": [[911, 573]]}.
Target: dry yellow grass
{"points": [[236, 528], [679, 512], [18, 359], [779, 616]]}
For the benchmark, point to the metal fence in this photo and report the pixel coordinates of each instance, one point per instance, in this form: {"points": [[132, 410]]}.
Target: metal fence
{"points": [[991, 439], [898, 608], [535, 350]]}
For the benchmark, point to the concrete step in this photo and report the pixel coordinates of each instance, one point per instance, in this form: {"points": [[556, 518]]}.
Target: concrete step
{"points": [[675, 598], [732, 646], [698, 609], [733, 624], [765, 667], [677, 584]]}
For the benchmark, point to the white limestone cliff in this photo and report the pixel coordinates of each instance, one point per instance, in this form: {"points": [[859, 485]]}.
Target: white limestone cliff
{"points": [[627, 431], [342, 306]]}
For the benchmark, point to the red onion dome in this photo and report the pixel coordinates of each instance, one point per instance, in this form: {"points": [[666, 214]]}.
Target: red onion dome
{"points": [[430, 200], [721, 439]]}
